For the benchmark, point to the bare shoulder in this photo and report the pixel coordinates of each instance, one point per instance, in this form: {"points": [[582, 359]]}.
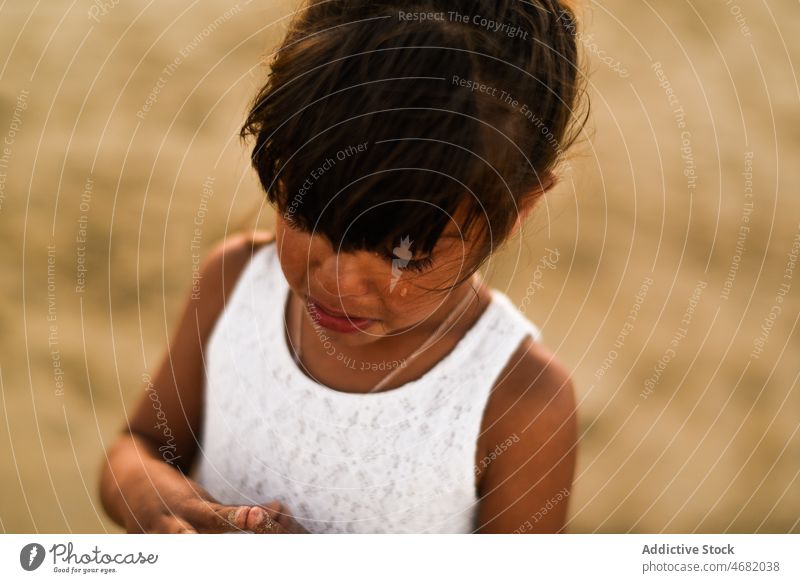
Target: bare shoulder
{"points": [[532, 410], [534, 380], [233, 252], [223, 265]]}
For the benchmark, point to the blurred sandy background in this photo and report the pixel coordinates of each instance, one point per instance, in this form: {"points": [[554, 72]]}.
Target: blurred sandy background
{"points": [[115, 117]]}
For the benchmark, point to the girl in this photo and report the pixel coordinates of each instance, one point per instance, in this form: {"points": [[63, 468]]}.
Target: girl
{"points": [[351, 372]]}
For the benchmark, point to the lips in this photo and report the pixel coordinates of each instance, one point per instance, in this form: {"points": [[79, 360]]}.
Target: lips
{"points": [[333, 312], [334, 320]]}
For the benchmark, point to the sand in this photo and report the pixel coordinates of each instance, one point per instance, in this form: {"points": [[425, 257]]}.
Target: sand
{"points": [[661, 270]]}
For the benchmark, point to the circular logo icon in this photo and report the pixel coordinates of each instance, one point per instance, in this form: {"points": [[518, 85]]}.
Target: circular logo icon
{"points": [[31, 556]]}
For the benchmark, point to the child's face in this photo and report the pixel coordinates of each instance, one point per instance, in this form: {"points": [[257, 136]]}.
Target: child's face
{"points": [[390, 290]]}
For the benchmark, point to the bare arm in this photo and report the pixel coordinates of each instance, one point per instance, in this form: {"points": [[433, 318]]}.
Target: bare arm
{"points": [[144, 486], [529, 446]]}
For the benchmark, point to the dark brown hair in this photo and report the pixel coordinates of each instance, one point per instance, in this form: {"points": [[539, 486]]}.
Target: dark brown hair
{"points": [[456, 104]]}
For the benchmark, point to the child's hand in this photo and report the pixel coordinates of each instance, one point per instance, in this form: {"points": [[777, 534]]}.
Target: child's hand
{"points": [[278, 520], [204, 516], [270, 518], [185, 508]]}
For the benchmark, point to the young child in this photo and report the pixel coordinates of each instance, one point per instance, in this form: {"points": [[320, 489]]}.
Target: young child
{"points": [[351, 372]]}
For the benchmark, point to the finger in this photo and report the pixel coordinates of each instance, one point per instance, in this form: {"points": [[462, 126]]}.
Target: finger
{"points": [[172, 524], [210, 517], [286, 523], [262, 519]]}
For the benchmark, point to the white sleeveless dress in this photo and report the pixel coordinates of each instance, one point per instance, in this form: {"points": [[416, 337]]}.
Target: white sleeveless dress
{"points": [[397, 461]]}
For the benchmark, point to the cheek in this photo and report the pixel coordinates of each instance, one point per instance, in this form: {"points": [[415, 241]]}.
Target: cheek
{"points": [[293, 266], [444, 274], [424, 293], [411, 303], [293, 250]]}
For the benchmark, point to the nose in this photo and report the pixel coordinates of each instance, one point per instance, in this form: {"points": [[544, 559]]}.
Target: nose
{"points": [[343, 274]]}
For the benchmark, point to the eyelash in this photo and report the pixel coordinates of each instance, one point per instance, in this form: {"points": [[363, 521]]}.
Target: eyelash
{"points": [[417, 265]]}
